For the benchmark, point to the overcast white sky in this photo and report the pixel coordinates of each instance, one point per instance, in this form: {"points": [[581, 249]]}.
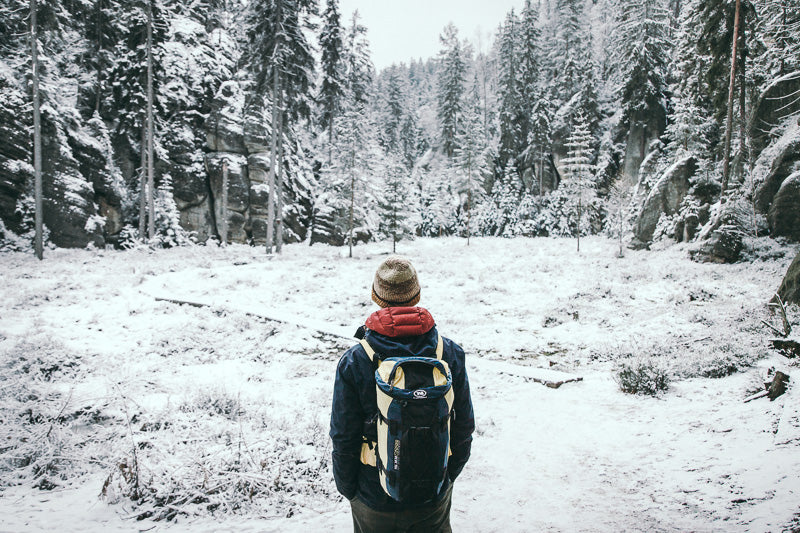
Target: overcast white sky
{"points": [[402, 29]]}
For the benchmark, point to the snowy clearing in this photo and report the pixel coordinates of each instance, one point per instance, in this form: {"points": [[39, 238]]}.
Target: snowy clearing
{"points": [[228, 412]]}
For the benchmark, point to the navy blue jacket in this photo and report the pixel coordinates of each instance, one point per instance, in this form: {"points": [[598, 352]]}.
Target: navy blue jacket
{"points": [[354, 403]]}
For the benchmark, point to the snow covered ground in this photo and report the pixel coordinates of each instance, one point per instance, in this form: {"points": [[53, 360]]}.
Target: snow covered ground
{"points": [[224, 414]]}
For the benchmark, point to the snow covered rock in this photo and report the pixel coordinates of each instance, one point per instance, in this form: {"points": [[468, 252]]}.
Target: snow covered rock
{"points": [[778, 101], [69, 210], [789, 290], [238, 194], [723, 246], [784, 213], [777, 177], [15, 151], [91, 147], [664, 199], [258, 165], [224, 131]]}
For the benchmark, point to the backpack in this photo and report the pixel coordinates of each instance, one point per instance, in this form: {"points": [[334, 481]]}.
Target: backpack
{"points": [[415, 408]]}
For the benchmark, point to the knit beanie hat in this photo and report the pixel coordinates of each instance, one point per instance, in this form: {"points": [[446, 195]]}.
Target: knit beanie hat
{"points": [[396, 283]]}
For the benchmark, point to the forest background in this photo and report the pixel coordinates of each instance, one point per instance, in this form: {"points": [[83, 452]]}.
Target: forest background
{"points": [[580, 117]]}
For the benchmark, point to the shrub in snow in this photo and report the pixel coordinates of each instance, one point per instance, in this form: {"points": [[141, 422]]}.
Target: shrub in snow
{"points": [[642, 376], [219, 454], [43, 428]]}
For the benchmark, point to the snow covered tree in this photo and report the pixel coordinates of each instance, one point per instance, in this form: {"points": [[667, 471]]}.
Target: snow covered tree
{"points": [[451, 83], [412, 141], [540, 138], [136, 103], [395, 107], [37, 134], [510, 94], [353, 166], [499, 213], [331, 91], [578, 172], [643, 47], [573, 50], [360, 71], [529, 61], [396, 202], [281, 60], [469, 156], [779, 22]]}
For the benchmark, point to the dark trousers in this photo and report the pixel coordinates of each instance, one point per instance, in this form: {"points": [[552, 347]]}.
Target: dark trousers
{"points": [[430, 519]]}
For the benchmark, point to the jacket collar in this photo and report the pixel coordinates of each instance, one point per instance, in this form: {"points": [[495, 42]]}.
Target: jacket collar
{"points": [[400, 321]]}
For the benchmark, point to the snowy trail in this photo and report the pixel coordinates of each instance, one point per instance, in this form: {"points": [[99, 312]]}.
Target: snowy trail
{"points": [[584, 457]]}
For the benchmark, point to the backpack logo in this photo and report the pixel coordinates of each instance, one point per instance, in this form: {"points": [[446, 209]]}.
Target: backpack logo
{"points": [[420, 394]]}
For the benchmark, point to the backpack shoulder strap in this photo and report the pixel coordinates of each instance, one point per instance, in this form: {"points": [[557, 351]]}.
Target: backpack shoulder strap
{"points": [[368, 349], [439, 348]]}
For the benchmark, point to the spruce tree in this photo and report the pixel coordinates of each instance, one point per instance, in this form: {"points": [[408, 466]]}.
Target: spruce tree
{"points": [[394, 111], [578, 171], [573, 51], [451, 82], [469, 154], [394, 201], [360, 72], [642, 52], [529, 62], [510, 94], [332, 88], [280, 58]]}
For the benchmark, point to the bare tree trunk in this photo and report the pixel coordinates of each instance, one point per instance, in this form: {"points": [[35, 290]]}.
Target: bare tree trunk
{"points": [[143, 183], [469, 197], [352, 199], [279, 185], [224, 206], [99, 81], [330, 141], [38, 239], [579, 218], [276, 66], [743, 155], [394, 223], [726, 161], [272, 166], [151, 223], [541, 172]]}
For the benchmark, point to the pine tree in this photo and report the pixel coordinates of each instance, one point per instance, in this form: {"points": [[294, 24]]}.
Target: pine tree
{"points": [[573, 53], [643, 48], [394, 203], [135, 104], [37, 134], [780, 25], [530, 74], [332, 87], [353, 165], [540, 138], [360, 71], [452, 77], [281, 60], [509, 86], [468, 156], [578, 170], [412, 142], [395, 108]]}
